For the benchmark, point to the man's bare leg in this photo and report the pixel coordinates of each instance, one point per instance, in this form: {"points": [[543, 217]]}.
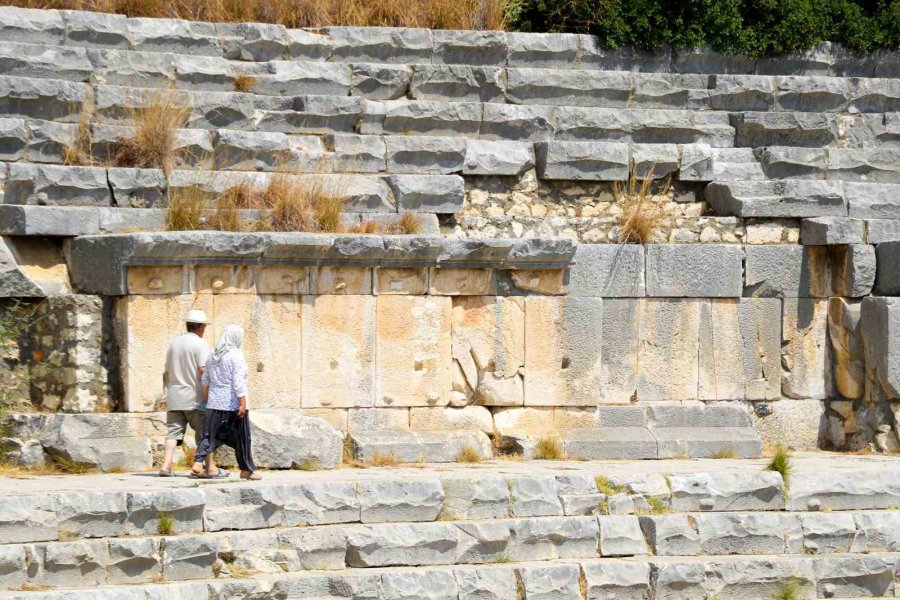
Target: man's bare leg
{"points": [[169, 455]]}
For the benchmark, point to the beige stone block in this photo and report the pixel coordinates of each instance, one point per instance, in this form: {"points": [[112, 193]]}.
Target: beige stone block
{"points": [[282, 280], [489, 349], [534, 420], [156, 280], [446, 418], [338, 349], [150, 323], [413, 353], [619, 348], [550, 282], [847, 347], [224, 279], [806, 370], [462, 282], [793, 424], [336, 417], [668, 349], [401, 281], [572, 417], [563, 339], [362, 420], [343, 281], [272, 344]]}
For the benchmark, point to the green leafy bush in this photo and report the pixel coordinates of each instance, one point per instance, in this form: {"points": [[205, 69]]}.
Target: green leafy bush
{"points": [[752, 27]]}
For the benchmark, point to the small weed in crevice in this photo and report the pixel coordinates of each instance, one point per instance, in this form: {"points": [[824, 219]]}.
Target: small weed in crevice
{"points": [[606, 486], [307, 464], [726, 452], [790, 590], [781, 463], [166, 523], [244, 83], [549, 448], [643, 208]]}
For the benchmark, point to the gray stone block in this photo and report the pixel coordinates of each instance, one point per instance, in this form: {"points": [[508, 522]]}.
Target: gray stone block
{"points": [[320, 503], [785, 271], [356, 153], [656, 160], [310, 114], [390, 501], [550, 582], [880, 529], [57, 185], [667, 90], [671, 535], [608, 271], [487, 157], [684, 270], [610, 443], [782, 198], [741, 577], [707, 442], [49, 141], [569, 87], [787, 162], [134, 561], [428, 193], [134, 69], [185, 507], [283, 440], [515, 122], [173, 35], [880, 323], [481, 498], [621, 580], [380, 45], [851, 270], [309, 45], [317, 549], [402, 544], [84, 438], [53, 100], [726, 491], [433, 584], [887, 279], [812, 94], [31, 25], [255, 41], [298, 78], [858, 576], [205, 73], [433, 446], [598, 161], [882, 230], [742, 92], [592, 55], [42, 220], [137, 188], [553, 538], [380, 82], [483, 542], [870, 165], [469, 47], [13, 139], [745, 533], [75, 564], [189, 557], [457, 83], [721, 414], [649, 126], [59, 62], [701, 162], [27, 519], [826, 231], [581, 505], [91, 514], [620, 535], [706, 60], [873, 200], [542, 50], [829, 533], [534, 497], [423, 154], [486, 583], [758, 129], [420, 117]]}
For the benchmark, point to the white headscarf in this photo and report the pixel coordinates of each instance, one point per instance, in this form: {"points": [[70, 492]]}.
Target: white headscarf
{"points": [[231, 338]]}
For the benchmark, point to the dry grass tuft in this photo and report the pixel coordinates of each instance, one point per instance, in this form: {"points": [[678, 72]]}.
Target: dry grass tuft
{"points": [[384, 459], [790, 590], [725, 453], [244, 83], [549, 448], [657, 506], [781, 463], [606, 486], [643, 208], [166, 523], [156, 123], [239, 571], [434, 14], [307, 464], [80, 152], [407, 223], [469, 454], [31, 587], [72, 467], [184, 210]]}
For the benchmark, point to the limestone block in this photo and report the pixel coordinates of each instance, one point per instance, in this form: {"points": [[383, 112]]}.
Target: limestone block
{"points": [[402, 544], [319, 503], [880, 530], [806, 368], [380, 44], [671, 535], [124, 220], [872, 201], [448, 419], [253, 41], [310, 114], [295, 78], [461, 282], [428, 193], [134, 560], [106, 441], [379, 81], [745, 533], [861, 489], [871, 165], [356, 153], [581, 505], [391, 501], [857, 576], [13, 572], [622, 318], [796, 424], [342, 280], [366, 420], [743, 332], [56, 62], [31, 25], [469, 47], [13, 139], [189, 557], [778, 198], [28, 519], [622, 580], [534, 497], [477, 498], [47, 141], [887, 279], [678, 580], [81, 564], [184, 506], [598, 161], [786, 271], [283, 440], [644, 126], [338, 362], [204, 73], [457, 83], [488, 157], [424, 154], [610, 442], [173, 35], [41, 98], [759, 577], [488, 583], [562, 87], [847, 347], [825, 231], [620, 535], [488, 347], [553, 538], [562, 351], [534, 420], [426, 117], [707, 442], [516, 122], [483, 542], [851, 270], [30, 270], [56, 185], [784, 162], [277, 280], [882, 230], [542, 50], [727, 491], [414, 368], [134, 69], [684, 270], [389, 281], [91, 514], [758, 129], [137, 188], [433, 584], [318, 549], [828, 533], [550, 582], [668, 349], [431, 446]]}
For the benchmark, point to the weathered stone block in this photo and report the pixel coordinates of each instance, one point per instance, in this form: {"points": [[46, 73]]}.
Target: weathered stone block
{"points": [[91, 514], [481, 498], [780, 198], [462, 282], [402, 544], [380, 44], [727, 491], [81, 564], [620, 535], [668, 351], [848, 577], [562, 351], [134, 560], [553, 538], [707, 442], [173, 35], [189, 557], [516, 122], [826, 231], [671, 535], [598, 443], [28, 519], [424, 154], [608, 271], [550, 582], [534, 497], [872, 200], [459, 83], [428, 193], [622, 580], [494, 583], [786, 271], [806, 368], [31, 26], [887, 279], [685, 270], [745, 533], [185, 507], [380, 81], [391, 501], [880, 323], [599, 161], [829, 533], [106, 441], [487, 157], [283, 440], [448, 419], [560, 87], [433, 584], [57, 185], [417, 446]]}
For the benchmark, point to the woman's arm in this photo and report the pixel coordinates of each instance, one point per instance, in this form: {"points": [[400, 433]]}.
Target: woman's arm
{"points": [[239, 384]]}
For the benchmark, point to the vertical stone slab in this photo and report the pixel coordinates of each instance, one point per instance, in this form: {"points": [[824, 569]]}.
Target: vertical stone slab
{"points": [[488, 346], [806, 371], [669, 349], [619, 348], [150, 323], [338, 351], [272, 344], [760, 323], [413, 350], [563, 341]]}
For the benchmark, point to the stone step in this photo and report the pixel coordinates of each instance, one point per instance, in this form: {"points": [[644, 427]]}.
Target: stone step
{"points": [[664, 578], [442, 82], [265, 42], [420, 446]]}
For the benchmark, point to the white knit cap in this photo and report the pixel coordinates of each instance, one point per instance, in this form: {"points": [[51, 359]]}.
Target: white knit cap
{"points": [[196, 316]]}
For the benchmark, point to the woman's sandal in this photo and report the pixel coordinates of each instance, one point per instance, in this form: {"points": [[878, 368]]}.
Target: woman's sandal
{"points": [[251, 477]]}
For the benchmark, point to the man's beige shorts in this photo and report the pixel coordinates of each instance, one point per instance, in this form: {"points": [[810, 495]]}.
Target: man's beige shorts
{"points": [[177, 422]]}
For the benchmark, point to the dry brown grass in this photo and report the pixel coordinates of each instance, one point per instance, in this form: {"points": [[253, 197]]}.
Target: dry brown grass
{"points": [[643, 207], [184, 211], [244, 83], [156, 122], [31, 587], [383, 459], [549, 448], [469, 454], [435, 14], [80, 153]]}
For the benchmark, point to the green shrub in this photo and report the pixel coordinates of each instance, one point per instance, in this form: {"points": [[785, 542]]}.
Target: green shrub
{"points": [[752, 27]]}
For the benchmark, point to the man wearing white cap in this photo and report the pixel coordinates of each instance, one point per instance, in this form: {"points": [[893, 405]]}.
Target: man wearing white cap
{"points": [[184, 391]]}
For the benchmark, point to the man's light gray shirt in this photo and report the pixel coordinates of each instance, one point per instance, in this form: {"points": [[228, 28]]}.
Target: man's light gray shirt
{"points": [[183, 387]]}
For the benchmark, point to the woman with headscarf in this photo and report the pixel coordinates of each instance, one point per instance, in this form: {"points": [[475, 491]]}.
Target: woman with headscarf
{"points": [[225, 391]]}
